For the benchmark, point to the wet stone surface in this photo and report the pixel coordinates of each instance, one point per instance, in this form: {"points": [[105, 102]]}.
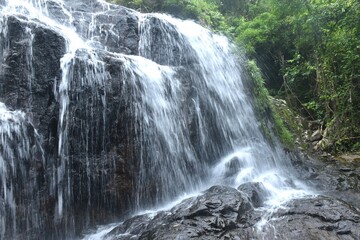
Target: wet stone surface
{"points": [[226, 213]]}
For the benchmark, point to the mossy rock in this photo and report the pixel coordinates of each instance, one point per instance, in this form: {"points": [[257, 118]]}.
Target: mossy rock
{"points": [[349, 157], [292, 121]]}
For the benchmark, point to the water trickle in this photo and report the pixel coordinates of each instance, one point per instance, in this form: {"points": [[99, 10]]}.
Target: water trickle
{"points": [[166, 150], [20, 156]]}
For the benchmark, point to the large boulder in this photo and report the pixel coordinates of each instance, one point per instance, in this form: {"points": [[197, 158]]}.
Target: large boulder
{"points": [[210, 215]]}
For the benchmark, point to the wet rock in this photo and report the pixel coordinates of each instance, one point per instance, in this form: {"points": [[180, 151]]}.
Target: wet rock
{"points": [[314, 218], [209, 215], [157, 32], [232, 167], [256, 193], [224, 213], [30, 69], [117, 30], [32, 93], [56, 10], [113, 27], [330, 176]]}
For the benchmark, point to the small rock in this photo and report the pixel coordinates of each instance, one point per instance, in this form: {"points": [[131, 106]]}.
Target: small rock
{"points": [[315, 145], [344, 231], [324, 155], [313, 125], [345, 169], [343, 228], [323, 144], [255, 191], [316, 136]]}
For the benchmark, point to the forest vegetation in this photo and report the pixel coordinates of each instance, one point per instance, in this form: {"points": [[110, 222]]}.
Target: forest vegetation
{"points": [[308, 52]]}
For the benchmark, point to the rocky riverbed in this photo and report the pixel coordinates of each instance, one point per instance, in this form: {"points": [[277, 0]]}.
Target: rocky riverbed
{"points": [[223, 212]]}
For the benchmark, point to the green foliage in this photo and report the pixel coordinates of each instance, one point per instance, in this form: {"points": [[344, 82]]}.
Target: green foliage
{"points": [[315, 44], [260, 90], [206, 12], [252, 33], [284, 134], [266, 110], [314, 109]]}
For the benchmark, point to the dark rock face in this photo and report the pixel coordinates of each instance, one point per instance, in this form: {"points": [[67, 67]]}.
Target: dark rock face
{"points": [[163, 49], [100, 154], [20, 89], [316, 218], [101, 138], [31, 56], [225, 213], [115, 29], [330, 177]]}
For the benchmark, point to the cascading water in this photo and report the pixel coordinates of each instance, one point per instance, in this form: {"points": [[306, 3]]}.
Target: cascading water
{"points": [[21, 151], [81, 79], [219, 120], [143, 108]]}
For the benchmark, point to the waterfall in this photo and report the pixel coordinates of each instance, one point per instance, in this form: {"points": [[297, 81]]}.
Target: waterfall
{"points": [[126, 112], [21, 155], [217, 139]]}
